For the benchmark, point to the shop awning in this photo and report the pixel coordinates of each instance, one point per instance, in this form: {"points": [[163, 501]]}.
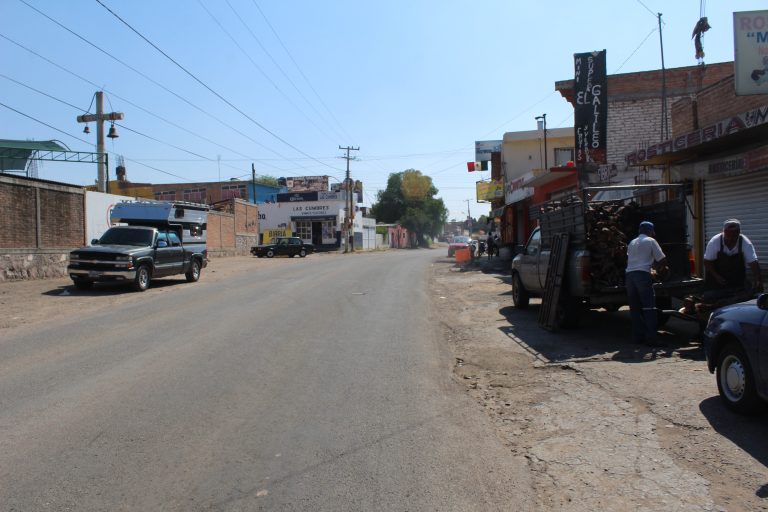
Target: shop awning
{"points": [[548, 175]]}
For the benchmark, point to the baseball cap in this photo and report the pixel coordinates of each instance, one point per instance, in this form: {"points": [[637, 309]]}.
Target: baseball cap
{"points": [[646, 227], [732, 223]]}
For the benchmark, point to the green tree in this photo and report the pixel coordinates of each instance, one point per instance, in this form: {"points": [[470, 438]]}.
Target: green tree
{"points": [[409, 200]]}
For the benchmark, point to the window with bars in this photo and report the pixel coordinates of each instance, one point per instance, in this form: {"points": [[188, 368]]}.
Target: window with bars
{"points": [[166, 195], [194, 195], [304, 230], [230, 191]]}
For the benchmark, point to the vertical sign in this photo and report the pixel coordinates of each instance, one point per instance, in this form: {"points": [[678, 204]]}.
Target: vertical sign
{"points": [[590, 112], [750, 35]]}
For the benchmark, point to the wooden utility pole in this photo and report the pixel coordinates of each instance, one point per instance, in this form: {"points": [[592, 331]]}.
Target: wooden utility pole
{"points": [[349, 210], [99, 117]]}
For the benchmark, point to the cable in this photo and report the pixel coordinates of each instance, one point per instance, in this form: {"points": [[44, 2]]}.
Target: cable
{"points": [[85, 141], [258, 68], [154, 115], [206, 86], [277, 65], [636, 49], [277, 36], [143, 75]]}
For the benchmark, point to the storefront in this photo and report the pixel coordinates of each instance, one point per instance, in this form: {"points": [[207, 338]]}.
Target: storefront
{"points": [[315, 217]]}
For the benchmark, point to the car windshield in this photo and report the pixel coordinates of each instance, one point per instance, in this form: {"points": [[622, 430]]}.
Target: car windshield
{"points": [[122, 236], [461, 239]]}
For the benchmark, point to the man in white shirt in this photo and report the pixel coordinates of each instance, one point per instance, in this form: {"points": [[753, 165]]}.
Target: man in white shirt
{"points": [[726, 258], [642, 254]]}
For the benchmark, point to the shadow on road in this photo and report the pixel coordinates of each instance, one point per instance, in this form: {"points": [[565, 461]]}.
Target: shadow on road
{"points": [[108, 289], [600, 336], [747, 432]]}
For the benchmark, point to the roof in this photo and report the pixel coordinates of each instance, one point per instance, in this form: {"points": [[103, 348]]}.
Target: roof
{"points": [[33, 145]]}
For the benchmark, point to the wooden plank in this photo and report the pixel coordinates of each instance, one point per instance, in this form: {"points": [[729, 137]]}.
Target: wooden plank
{"points": [[554, 283]]}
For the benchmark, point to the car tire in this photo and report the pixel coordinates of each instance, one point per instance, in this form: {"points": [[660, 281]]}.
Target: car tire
{"points": [[302, 253], [569, 312], [736, 381], [193, 274], [520, 296], [142, 279], [270, 253], [82, 284]]}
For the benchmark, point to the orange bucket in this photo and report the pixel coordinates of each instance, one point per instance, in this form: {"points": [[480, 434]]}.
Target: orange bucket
{"points": [[462, 255]]}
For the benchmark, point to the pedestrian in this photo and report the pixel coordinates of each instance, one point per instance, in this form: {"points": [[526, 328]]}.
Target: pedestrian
{"points": [[726, 258], [644, 253], [491, 246]]}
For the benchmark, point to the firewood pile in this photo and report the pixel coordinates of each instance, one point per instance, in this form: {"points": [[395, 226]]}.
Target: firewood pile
{"points": [[610, 226]]}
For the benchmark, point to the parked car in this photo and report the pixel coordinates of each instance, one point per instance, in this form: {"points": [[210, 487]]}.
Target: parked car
{"points": [[284, 246], [736, 344], [458, 242]]}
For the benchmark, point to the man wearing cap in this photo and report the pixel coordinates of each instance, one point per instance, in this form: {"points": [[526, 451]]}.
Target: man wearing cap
{"points": [[642, 254], [726, 258]]}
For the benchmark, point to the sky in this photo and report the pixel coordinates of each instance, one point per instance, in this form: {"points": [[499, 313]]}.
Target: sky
{"points": [[211, 87]]}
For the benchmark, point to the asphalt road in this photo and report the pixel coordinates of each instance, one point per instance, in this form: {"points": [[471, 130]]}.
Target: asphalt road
{"points": [[306, 384]]}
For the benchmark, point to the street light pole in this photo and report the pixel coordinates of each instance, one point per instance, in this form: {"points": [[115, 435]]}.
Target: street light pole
{"points": [[542, 119], [99, 119]]}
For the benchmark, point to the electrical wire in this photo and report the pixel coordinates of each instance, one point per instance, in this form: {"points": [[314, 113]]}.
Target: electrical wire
{"points": [[260, 70], [83, 140], [143, 75], [277, 36], [636, 49], [207, 87], [277, 65]]}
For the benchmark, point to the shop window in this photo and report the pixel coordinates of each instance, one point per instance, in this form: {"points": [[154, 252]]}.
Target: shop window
{"points": [[304, 230]]}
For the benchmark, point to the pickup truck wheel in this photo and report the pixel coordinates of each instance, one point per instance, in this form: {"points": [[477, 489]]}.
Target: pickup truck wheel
{"points": [[270, 253], [661, 304], [82, 284], [736, 381], [520, 296], [302, 253], [142, 279], [193, 274], [569, 312]]}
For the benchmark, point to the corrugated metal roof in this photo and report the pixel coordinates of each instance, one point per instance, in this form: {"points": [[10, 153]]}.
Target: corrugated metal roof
{"points": [[33, 145]]}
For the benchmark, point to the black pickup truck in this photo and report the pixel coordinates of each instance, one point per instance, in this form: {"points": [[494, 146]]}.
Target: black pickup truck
{"points": [[135, 255]]}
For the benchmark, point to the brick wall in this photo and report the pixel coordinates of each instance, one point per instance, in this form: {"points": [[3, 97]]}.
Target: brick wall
{"points": [[714, 103], [40, 222]]}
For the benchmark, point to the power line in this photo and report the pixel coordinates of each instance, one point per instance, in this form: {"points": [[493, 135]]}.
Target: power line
{"points": [[260, 70], [83, 140], [206, 86], [636, 49], [277, 36], [143, 75], [277, 65]]}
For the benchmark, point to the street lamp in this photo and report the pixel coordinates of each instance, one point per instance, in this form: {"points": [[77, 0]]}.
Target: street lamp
{"points": [[542, 125]]}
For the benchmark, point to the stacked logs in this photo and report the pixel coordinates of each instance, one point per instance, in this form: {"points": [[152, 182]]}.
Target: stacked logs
{"points": [[610, 225]]}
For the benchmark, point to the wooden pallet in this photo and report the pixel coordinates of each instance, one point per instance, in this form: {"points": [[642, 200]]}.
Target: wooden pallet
{"points": [[554, 283]]}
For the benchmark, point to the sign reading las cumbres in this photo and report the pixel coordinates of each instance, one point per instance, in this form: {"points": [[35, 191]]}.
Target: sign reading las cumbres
{"points": [[590, 111]]}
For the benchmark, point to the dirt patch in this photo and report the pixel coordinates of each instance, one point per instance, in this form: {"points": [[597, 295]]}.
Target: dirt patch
{"points": [[603, 424]]}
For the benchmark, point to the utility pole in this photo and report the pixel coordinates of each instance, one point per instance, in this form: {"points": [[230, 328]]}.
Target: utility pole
{"points": [[664, 122], [542, 119], [99, 117], [253, 181], [469, 218], [349, 210]]}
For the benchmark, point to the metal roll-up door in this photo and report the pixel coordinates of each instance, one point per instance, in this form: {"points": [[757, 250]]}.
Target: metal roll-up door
{"points": [[741, 197]]}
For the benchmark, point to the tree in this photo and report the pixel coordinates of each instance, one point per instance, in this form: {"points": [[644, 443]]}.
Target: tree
{"points": [[409, 200]]}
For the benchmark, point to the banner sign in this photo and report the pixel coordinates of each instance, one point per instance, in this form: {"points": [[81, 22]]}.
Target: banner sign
{"points": [[590, 112], [306, 183], [484, 148], [296, 196], [490, 190], [271, 234], [750, 35], [722, 128]]}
